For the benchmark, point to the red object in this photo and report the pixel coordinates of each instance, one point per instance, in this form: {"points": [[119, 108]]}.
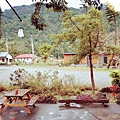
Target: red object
{"points": [[113, 89], [25, 56], [14, 119], [16, 92]]}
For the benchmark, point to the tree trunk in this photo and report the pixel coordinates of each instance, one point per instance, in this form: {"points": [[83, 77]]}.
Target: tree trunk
{"points": [[115, 41], [109, 64], [45, 59], [91, 65], [91, 72]]}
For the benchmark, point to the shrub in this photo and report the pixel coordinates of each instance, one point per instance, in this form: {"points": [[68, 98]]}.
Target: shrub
{"points": [[20, 78], [106, 89], [115, 75], [47, 99], [47, 83], [2, 88]]}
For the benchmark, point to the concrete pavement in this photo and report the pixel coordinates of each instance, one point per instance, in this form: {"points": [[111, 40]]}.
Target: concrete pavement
{"points": [[60, 112]]}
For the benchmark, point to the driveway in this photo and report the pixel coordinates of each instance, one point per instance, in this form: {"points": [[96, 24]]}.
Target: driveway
{"points": [[83, 77]]}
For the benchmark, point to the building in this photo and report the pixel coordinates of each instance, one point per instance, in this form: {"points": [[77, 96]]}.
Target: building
{"points": [[26, 58], [5, 58], [68, 57], [100, 58]]}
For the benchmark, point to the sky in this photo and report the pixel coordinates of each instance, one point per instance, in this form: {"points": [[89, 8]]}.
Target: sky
{"points": [[71, 3]]}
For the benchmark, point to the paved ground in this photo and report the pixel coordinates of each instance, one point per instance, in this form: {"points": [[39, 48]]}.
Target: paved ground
{"points": [[59, 112]]}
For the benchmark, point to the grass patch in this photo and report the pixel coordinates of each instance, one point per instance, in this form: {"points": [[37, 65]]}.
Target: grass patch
{"points": [[78, 68]]}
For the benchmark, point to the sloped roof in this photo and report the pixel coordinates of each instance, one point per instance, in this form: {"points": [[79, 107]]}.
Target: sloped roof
{"points": [[25, 56], [67, 53], [3, 54]]}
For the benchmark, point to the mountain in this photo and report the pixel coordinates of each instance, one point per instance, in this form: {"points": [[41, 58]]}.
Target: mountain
{"points": [[11, 24]]}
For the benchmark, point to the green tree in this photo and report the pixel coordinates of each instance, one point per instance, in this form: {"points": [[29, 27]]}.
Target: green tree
{"points": [[2, 45], [112, 16], [13, 50], [44, 51], [85, 32]]}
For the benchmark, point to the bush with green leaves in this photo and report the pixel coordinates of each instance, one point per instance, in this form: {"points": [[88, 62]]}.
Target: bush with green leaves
{"points": [[20, 78], [2, 87], [115, 75], [47, 82]]}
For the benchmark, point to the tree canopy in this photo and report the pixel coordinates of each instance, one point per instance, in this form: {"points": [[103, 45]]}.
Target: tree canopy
{"points": [[44, 51], [79, 28], [86, 32]]}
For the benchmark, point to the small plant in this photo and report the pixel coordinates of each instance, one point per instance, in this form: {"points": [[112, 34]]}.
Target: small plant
{"points": [[19, 78], [2, 88], [115, 75], [47, 99], [47, 83]]}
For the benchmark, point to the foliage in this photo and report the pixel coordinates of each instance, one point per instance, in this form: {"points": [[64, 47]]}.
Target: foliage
{"points": [[115, 75], [11, 24], [90, 3], [36, 18], [110, 12], [2, 87], [47, 84], [55, 5], [2, 45], [44, 51], [23, 45], [78, 29], [47, 99], [85, 32], [112, 16], [113, 49], [20, 78]]}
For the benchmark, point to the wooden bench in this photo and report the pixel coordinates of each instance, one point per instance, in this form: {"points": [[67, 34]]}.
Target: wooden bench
{"points": [[33, 100], [83, 101]]}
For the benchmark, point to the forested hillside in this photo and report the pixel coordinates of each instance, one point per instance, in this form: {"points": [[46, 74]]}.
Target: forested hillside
{"points": [[11, 24], [17, 45]]}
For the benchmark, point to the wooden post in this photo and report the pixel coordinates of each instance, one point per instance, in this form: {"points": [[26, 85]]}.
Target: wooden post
{"points": [[6, 41]]}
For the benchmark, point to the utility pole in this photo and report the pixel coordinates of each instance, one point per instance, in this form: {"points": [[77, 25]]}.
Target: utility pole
{"points": [[32, 47], [6, 41]]}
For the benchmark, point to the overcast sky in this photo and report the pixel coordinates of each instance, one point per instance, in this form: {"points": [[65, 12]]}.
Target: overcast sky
{"points": [[71, 3]]}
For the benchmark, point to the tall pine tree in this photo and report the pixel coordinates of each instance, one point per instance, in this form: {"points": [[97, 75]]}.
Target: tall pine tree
{"points": [[85, 32], [112, 16]]}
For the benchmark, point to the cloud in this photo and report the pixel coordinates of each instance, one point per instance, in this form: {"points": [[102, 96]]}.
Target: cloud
{"points": [[74, 3]]}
